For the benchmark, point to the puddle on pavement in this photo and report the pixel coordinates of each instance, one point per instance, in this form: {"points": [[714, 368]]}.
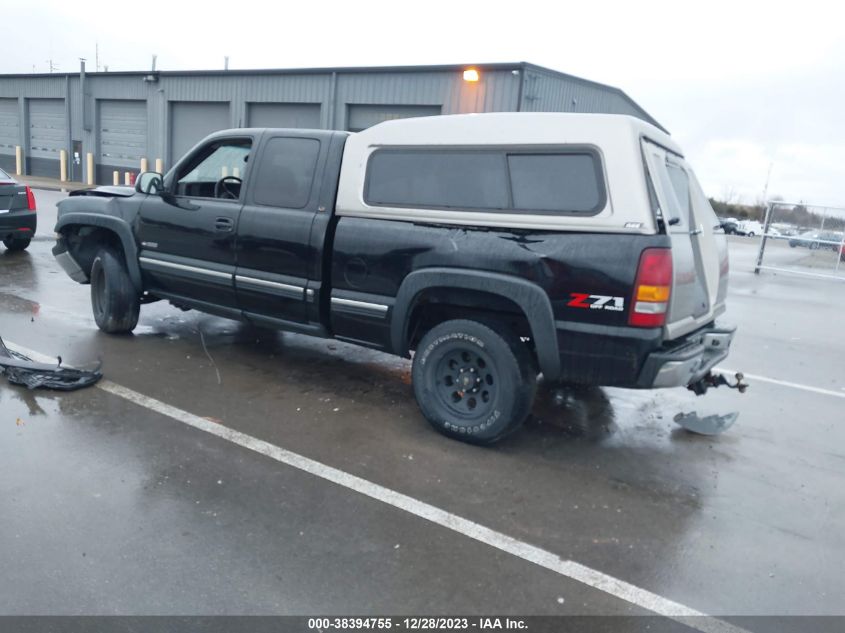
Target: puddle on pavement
{"points": [[16, 305], [578, 411]]}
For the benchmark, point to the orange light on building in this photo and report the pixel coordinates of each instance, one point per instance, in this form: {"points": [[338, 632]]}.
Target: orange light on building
{"points": [[471, 75]]}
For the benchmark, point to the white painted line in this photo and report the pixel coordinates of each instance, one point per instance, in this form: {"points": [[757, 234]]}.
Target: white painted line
{"points": [[530, 553], [784, 383]]}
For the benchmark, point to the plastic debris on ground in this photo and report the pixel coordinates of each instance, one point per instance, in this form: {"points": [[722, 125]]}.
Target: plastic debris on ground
{"points": [[21, 370], [706, 425]]}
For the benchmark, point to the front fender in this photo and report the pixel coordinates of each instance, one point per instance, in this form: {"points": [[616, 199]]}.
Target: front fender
{"points": [[117, 226], [531, 299]]}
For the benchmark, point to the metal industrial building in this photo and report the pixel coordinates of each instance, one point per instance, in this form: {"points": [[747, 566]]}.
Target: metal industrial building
{"points": [[122, 117]]}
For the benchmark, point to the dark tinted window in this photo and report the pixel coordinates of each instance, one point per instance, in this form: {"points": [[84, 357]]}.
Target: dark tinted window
{"points": [[444, 179], [480, 179], [286, 172], [555, 182]]}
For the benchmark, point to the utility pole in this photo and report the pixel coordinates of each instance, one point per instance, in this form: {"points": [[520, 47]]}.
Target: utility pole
{"points": [[97, 56], [154, 62], [766, 186], [226, 63]]}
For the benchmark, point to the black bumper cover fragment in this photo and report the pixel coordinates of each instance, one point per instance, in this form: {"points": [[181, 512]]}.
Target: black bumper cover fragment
{"points": [[20, 370]]}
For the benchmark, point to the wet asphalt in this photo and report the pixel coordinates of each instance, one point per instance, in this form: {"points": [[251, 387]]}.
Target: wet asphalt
{"points": [[109, 508]]}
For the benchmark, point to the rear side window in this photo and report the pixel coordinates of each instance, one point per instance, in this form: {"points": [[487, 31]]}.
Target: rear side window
{"points": [[286, 172], [441, 179], [680, 183], [569, 182], [669, 186], [555, 182]]}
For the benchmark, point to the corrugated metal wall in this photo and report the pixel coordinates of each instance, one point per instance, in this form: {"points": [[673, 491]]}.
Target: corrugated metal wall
{"points": [[545, 91], [9, 132], [194, 120], [325, 98], [47, 136], [122, 135], [298, 115]]}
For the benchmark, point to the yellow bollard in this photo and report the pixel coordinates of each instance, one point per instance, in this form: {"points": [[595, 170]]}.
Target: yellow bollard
{"points": [[126, 178], [159, 166], [236, 172], [63, 165], [18, 160], [90, 161], [115, 178], [143, 165], [225, 171]]}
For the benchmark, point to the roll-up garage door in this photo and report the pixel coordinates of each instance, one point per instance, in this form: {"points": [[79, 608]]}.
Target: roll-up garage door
{"points": [[360, 117], [9, 133], [296, 115], [190, 122], [47, 136], [122, 135]]}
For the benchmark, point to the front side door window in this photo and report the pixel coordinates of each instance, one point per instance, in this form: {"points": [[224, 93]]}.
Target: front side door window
{"points": [[217, 171]]}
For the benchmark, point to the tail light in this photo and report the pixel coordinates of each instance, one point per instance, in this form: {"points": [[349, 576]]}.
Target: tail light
{"points": [[652, 288], [30, 199]]}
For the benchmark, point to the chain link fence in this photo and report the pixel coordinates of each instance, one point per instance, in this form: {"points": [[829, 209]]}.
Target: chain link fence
{"points": [[803, 239]]}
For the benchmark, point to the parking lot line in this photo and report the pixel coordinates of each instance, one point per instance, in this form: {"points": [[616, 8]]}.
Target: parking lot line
{"points": [[527, 552], [785, 383]]}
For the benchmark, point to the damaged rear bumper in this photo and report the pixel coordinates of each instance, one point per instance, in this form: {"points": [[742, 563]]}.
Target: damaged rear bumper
{"points": [[689, 361]]}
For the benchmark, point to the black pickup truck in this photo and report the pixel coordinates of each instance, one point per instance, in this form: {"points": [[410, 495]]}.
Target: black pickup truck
{"points": [[491, 248]]}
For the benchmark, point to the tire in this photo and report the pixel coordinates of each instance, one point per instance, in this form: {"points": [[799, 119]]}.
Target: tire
{"points": [[114, 299], [500, 375], [16, 244], [750, 234]]}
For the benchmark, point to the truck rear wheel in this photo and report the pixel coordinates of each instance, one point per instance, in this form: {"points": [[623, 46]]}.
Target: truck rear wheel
{"points": [[16, 243], [473, 383], [113, 297]]}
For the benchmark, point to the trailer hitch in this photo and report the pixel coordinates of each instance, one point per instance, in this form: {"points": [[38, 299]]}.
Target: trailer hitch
{"points": [[700, 386]]}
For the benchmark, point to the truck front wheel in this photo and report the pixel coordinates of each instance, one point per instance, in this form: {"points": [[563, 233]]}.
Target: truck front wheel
{"points": [[113, 297], [473, 383]]}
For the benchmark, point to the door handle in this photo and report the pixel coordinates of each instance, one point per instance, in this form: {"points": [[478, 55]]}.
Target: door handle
{"points": [[224, 225], [697, 231]]}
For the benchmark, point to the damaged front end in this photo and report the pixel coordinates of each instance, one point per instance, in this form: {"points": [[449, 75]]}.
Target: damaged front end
{"points": [[21, 370]]}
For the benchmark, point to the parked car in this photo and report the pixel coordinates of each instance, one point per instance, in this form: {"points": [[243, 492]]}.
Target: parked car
{"points": [[817, 239], [729, 225], [784, 229], [18, 218], [749, 228], [491, 247]]}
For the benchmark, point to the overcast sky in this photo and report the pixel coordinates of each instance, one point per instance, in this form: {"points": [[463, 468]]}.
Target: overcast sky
{"points": [[740, 85]]}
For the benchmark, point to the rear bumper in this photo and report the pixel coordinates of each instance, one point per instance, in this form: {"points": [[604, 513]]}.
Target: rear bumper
{"points": [[638, 358], [68, 263], [688, 360], [18, 223]]}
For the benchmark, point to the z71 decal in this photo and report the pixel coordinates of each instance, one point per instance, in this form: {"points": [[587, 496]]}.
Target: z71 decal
{"points": [[596, 302]]}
